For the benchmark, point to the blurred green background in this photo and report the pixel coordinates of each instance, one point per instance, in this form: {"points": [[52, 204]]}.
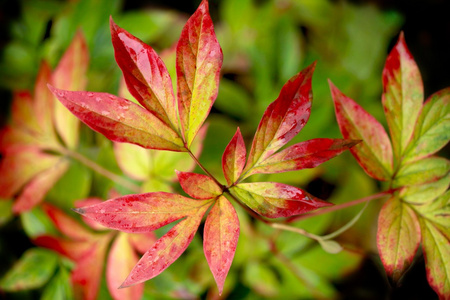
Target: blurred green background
{"points": [[265, 42]]}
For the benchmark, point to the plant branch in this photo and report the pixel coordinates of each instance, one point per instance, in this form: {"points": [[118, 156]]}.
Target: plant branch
{"points": [[341, 206], [100, 170], [205, 170]]}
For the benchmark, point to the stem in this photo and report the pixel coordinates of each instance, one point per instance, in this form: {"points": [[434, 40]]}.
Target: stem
{"points": [[205, 170], [100, 170], [296, 230], [341, 206]]}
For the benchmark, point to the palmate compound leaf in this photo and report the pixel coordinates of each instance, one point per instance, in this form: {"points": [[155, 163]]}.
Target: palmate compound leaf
{"points": [[276, 200], [374, 154], [402, 95], [198, 62], [283, 119], [220, 239], [120, 120], [398, 237]]}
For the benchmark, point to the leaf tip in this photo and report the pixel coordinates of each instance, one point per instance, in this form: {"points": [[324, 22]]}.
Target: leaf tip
{"points": [[80, 210]]}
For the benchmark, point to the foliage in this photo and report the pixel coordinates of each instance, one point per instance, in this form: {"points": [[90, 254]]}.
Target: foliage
{"points": [[257, 231]]}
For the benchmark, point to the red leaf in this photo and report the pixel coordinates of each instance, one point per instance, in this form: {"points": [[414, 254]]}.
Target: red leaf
{"points": [[35, 190], [70, 74], [283, 119], [166, 250], [198, 62], [374, 155], [146, 75], [402, 95], [198, 186], [233, 159], [120, 120], [67, 225], [220, 239], [303, 155], [143, 212], [276, 200], [87, 275], [121, 259], [20, 165], [398, 237]]}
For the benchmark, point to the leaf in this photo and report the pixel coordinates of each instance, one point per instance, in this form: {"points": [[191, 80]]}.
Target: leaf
{"points": [[87, 275], [276, 200], [198, 186], [398, 237], [374, 155], [435, 241], [120, 120], [59, 287], [70, 74], [121, 260], [36, 189], [146, 75], [432, 130], [402, 95], [143, 212], [33, 270], [283, 119], [424, 193], [166, 250], [332, 247], [308, 154], [198, 63], [134, 161], [423, 171], [220, 239], [438, 211], [20, 165], [233, 159]]}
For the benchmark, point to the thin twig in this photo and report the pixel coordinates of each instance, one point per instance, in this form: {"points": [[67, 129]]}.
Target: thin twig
{"points": [[340, 206], [100, 170]]}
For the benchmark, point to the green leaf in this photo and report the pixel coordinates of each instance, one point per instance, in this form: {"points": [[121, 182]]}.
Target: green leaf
{"points": [[59, 287], [432, 131], [435, 243], [423, 171], [33, 270], [424, 193], [35, 223], [6, 213], [261, 279], [398, 237], [438, 211]]}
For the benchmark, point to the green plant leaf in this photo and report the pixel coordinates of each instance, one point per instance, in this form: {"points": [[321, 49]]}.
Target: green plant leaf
{"points": [[398, 237], [432, 130], [423, 171], [33, 270], [59, 287], [424, 193], [435, 243]]}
